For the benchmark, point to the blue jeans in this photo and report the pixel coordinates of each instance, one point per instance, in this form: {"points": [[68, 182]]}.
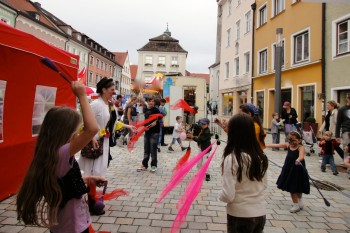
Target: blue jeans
{"points": [[275, 138], [328, 159], [150, 149]]}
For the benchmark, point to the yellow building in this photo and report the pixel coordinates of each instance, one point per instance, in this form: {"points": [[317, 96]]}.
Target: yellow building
{"points": [[301, 81]]}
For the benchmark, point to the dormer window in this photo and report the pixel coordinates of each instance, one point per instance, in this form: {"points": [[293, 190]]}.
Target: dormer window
{"points": [[79, 37], [69, 31], [37, 17]]}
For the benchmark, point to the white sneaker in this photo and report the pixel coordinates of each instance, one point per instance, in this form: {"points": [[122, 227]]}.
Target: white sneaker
{"points": [[301, 204], [295, 208]]}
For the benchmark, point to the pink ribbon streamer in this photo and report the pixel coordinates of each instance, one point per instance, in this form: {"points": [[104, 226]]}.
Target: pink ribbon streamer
{"points": [[192, 190], [180, 174]]}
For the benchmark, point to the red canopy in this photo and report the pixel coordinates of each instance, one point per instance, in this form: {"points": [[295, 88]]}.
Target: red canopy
{"points": [[22, 71]]}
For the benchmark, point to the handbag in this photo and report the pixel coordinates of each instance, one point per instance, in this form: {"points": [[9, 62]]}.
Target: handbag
{"points": [[90, 153]]}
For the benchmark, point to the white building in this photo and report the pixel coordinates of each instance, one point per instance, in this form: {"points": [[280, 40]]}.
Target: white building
{"points": [[234, 75], [162, 54], [122, 58]]}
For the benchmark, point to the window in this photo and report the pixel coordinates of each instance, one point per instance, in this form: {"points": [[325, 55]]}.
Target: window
{"points": [[227, 68], [247, 22], [278, 6], [343, 39], [229, 7], [69, 31], [90, 77], [260, 104], [68, 48], [148, 78], [148, 61], [238, 2], [247, 62], [238, 29], [2, 98], [301, 47], [101, 65], [262, 15], [263, 61], [5, 20], [228, 37], [274, 55], [91, 60], [236, 48], [307, 102], [161, 61], [237, 66], [97, 63], [174, 61], [74, 50], [105, 66], [96, 78], [44, 100], [227, 102]]}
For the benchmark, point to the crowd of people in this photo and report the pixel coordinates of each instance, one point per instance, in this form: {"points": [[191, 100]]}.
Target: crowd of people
{"points": [[243, 167]]}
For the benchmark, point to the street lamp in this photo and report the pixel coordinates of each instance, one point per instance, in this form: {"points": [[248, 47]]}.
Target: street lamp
{"points": [[278, 68]]}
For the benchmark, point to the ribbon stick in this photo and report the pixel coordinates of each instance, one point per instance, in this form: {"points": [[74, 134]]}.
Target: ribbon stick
{"points": [[136, 137], [192, 190], [152, 117], [183, 159], [180, 174], [182, 104]]}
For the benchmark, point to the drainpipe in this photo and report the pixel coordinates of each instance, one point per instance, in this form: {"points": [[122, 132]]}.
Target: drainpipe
{"points": [[324, 58], [253, 6]]}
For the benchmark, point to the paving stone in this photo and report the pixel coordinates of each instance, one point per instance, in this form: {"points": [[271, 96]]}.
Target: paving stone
{"points": [[147, 229], [33, 230], [139, 212], [127, 228]]}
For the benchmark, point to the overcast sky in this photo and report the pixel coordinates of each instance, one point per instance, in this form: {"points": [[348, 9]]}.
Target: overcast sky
{"points": [[121, 25]]}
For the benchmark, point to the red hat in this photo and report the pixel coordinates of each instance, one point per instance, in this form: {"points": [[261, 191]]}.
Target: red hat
{"points": [[286, 104]]}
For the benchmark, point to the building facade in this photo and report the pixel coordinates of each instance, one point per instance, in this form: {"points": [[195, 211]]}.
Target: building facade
{"points": [[337, 52], [162, 54], [7, 14], [122, 58], [301, 42], [234, 73]]}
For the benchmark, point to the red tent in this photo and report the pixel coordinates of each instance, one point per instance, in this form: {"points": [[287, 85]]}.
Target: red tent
{"points": [[27, 90]]}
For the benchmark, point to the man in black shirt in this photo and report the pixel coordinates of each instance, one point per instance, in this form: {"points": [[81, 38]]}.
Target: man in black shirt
{"points": [[343, 123], [150, 138]]}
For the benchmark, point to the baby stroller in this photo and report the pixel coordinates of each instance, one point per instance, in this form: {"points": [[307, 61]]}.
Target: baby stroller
{"points": [[308, 138]]}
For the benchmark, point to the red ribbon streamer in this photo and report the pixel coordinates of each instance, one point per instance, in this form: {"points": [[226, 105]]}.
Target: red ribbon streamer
{"points": [[183, 104], [134, 139], [152, 117], [183, 159]]}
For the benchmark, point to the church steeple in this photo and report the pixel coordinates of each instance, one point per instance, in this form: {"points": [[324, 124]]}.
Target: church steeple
{"points": [[167, 30]]}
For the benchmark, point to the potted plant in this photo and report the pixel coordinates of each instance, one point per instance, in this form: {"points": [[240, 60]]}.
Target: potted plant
{"points": [[309, 123]]}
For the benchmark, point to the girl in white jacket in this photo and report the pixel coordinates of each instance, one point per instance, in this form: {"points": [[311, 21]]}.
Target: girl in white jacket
{"points": [[244, 177]]}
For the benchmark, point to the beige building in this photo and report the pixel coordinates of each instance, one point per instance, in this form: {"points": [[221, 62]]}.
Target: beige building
{"points": [[337, 52], [162, 54], [234, 74], [122, 58]]}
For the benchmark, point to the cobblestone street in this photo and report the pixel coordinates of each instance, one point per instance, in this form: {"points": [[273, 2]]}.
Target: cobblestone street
{"points": [[139, 212]]}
